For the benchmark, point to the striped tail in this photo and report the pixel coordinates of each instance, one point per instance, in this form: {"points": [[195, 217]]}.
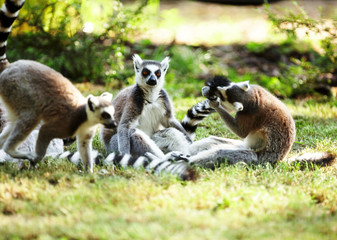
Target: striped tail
{"points": [[173, 163], [202, 109], [320, 159], [195, 115], [8, 13]]}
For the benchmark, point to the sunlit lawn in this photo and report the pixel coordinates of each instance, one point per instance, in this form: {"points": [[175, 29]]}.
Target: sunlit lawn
{"points": [[56, 201]]}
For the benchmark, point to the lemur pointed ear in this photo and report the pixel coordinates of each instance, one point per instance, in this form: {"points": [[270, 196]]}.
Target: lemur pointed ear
{"points": [[243, 85], [107, 96], [165, 63], [137, 62], [92, 102]]}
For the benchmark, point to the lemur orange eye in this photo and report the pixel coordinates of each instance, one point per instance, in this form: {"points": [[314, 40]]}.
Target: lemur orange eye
{"points": [[145, 72], [158, 73]]}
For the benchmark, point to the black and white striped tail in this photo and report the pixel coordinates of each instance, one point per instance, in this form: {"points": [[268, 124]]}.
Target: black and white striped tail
{"points": [[8, 13], [180, 168], [320, 159], [195, 115]]}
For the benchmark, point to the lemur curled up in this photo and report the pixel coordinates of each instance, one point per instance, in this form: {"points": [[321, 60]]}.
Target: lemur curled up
{"points": [[32, 93]]}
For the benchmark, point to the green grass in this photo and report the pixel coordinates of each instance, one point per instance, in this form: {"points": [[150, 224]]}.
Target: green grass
{"points": [[57, 201]]}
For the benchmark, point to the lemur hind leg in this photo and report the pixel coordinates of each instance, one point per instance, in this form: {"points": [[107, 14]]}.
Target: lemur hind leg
{"points": [[19, 131], [171, 139], [46, 134], [214, 142], [214, 157], [140, 144]]}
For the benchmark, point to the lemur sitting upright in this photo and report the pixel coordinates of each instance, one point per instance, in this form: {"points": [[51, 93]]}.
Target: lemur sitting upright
{"points": [[141, 111], [32, 93], [261, 119]]}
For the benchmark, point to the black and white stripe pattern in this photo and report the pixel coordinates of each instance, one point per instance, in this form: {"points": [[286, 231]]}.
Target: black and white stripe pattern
{"points": [[171, 164], [202, 109], [8, 13], [195, 115]]}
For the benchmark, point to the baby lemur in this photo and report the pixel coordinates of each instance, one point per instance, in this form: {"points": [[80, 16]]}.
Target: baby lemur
{"points": [[141, 111], [32, 93]]}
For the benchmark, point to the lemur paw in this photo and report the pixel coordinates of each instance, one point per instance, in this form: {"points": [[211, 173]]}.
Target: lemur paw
{"points": [[34, 160], [214, 103], [171, 156], [206, 93], [176, 156]]}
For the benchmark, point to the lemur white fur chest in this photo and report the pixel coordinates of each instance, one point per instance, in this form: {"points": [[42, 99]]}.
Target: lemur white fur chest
{"points": [[150, 119], [153, 110]]}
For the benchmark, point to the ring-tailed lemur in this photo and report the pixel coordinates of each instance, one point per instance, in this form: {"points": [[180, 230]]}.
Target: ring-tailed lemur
{"points": [[261, 119], [141, 111], [32, 93]]}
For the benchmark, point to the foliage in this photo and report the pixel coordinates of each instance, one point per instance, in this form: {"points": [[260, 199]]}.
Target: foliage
{"points": [[63, 35], [308, 71], [294, 24], [57, 201]]}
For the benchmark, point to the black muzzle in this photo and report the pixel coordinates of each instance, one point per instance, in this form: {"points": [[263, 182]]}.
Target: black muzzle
{"points": [[152, 81]]}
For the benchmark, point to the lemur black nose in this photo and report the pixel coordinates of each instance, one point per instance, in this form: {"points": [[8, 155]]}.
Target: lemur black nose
{"points": [[152, 81]]}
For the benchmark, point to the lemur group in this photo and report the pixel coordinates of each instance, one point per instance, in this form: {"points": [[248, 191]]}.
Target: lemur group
{"points": [[139, 125]]}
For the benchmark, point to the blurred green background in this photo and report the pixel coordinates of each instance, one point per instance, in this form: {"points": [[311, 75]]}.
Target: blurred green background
{"points": [[288, 47]]}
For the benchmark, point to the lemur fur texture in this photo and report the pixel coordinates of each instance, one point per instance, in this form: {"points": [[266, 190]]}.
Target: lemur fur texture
{"points": [[32, 93]]}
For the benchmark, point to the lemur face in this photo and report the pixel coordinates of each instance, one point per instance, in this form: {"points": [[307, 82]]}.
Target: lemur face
{"points": [[230, 94], [150, 73], [101, 110]]}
